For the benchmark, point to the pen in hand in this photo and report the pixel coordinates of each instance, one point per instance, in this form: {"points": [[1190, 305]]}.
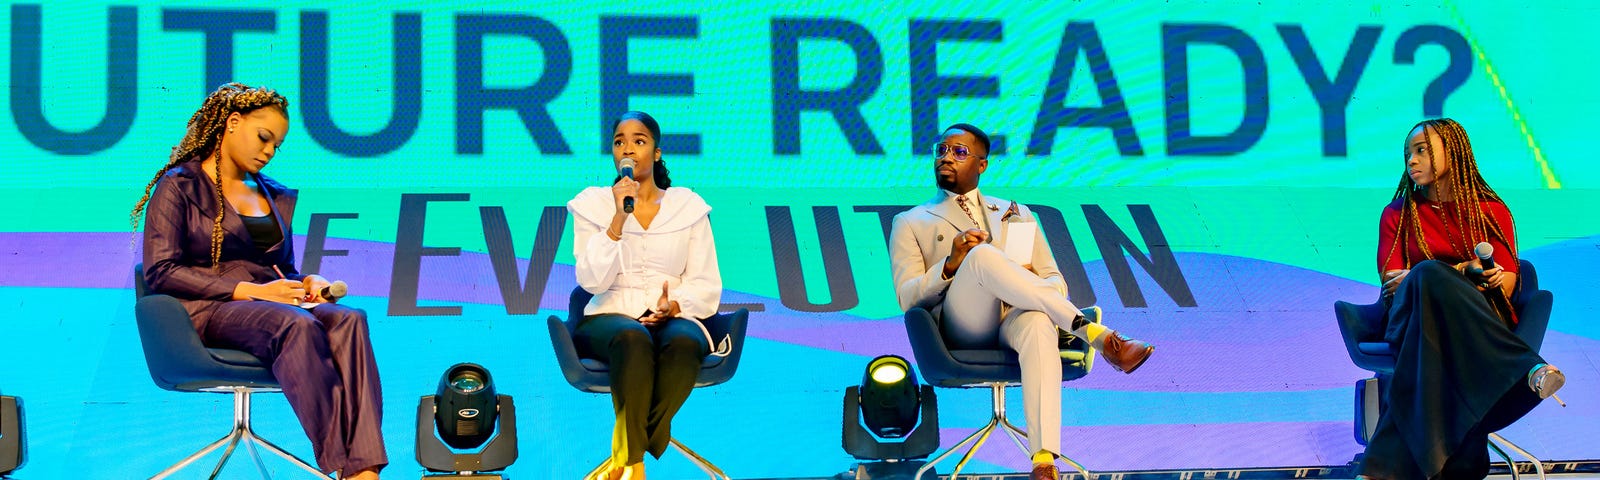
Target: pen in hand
{"points": [[281, 276]]}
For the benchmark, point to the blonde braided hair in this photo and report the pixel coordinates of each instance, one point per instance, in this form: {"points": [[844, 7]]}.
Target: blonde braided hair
{"points": [[203, 139], [1467, 185]]}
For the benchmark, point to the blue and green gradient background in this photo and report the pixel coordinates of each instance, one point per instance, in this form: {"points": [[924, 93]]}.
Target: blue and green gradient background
{"points": [[1267, 230]]}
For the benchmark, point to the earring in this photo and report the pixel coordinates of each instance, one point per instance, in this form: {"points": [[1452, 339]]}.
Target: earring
{"points": [[230, 129]]}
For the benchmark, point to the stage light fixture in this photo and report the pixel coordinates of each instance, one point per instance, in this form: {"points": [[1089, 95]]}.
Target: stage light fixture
{"points": [[890, 420], [889, 397], [467, 414], [13, 446]]}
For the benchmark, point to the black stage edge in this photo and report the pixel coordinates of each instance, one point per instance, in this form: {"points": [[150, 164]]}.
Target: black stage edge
{"points": [[1344, 472]]}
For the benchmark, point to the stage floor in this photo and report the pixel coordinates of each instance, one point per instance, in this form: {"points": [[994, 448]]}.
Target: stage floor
{"points": [[1588, 472]]}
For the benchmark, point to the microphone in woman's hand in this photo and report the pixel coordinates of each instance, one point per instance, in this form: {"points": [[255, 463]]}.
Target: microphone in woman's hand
{"points": [[627, 171], [1485, 253], [334, 291]]}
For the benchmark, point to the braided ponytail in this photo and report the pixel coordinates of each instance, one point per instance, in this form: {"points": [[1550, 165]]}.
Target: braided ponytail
{"points": [[204, 138]]}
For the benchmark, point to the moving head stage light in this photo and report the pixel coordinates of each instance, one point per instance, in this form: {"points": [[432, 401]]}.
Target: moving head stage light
{"points": [[466, 413], [889, 419], [13, 447]]}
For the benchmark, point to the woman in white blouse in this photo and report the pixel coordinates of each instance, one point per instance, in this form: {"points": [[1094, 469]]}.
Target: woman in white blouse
{"points": [[645, 251]]}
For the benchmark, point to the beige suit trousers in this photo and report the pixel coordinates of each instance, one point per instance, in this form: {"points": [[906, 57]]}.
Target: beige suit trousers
{"points": [[993, 300]]}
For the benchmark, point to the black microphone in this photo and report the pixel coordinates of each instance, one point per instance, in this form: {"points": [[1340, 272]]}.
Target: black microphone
{"points": [[627, 171], [1485, 253], [1496, 297], [333, 292]]}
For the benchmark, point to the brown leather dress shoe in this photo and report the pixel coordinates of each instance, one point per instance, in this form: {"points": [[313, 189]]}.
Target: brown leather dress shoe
{"points": [[1044, 471], [1125, 354]]}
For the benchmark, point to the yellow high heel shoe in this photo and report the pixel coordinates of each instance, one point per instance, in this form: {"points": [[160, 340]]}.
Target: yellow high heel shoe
{"points": [[633, 472], [607, 470]]}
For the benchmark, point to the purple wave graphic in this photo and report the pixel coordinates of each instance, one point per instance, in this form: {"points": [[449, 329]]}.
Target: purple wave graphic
{"points": [[1258, 326], [1267, 443]]}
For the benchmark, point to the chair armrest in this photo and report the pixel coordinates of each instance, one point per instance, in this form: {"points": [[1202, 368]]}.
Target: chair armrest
{"points": [[1533, 319], [731, 326], [171, 345], [923, 332], [1527, 277], [1362, 323], [566, 352], [1358, 322], [927, 346]]}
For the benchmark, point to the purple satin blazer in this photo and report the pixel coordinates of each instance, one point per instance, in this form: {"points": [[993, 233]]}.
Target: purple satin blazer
{"points": [[177, 241]]}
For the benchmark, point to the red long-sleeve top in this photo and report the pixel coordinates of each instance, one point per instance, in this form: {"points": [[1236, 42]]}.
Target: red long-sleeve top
{"points": [[1443, 232]]}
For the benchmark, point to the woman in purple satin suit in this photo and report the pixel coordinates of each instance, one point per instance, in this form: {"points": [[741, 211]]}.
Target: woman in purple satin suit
{"points": [[217, 237]]}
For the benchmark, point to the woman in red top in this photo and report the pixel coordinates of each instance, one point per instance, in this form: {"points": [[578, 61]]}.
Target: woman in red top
{"points": [[1460, 372]]}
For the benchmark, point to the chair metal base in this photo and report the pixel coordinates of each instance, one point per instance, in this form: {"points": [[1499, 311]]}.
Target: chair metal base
{"points": [[241, 433], [997, 418], [1538, 467], [1368, 409], [706, 466]]}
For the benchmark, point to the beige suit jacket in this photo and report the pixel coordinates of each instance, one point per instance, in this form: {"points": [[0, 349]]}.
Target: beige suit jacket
{"points": [[920, 239]]}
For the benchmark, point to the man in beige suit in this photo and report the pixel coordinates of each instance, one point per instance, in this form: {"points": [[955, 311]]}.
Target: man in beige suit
{"points": [[948, 256]]}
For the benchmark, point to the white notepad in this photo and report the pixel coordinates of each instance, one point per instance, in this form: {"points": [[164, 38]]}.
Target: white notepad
{"points": [[305, 305], [1019, 241]]}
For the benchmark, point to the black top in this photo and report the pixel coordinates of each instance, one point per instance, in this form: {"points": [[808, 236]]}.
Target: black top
{"points": [[264, 232], [177, 240]]}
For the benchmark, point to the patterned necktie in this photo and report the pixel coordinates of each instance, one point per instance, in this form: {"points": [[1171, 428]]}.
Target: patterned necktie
{"points": [[961, 201]]}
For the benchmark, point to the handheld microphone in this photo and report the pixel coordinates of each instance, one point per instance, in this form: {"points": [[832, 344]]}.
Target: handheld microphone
{"points": [[1497, 298], [333, 292], [1485, 253], [627, 171]]}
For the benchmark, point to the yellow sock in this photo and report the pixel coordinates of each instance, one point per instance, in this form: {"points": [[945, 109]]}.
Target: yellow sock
{"points": [[1043, 457], [1092, 332]]}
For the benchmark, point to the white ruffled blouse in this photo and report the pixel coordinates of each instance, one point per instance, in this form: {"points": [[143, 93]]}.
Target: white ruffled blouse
{"points": [[625, 275]]}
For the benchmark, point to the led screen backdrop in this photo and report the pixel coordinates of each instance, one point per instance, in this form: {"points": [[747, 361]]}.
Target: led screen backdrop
{"points": [[1211, 174]]}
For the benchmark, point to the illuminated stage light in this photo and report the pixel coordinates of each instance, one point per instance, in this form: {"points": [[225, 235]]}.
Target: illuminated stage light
{"points": [[891, 420]]}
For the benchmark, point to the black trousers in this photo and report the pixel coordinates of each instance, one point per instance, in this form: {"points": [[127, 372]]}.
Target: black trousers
{"points": [[652, 370], [1459, 375]]}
